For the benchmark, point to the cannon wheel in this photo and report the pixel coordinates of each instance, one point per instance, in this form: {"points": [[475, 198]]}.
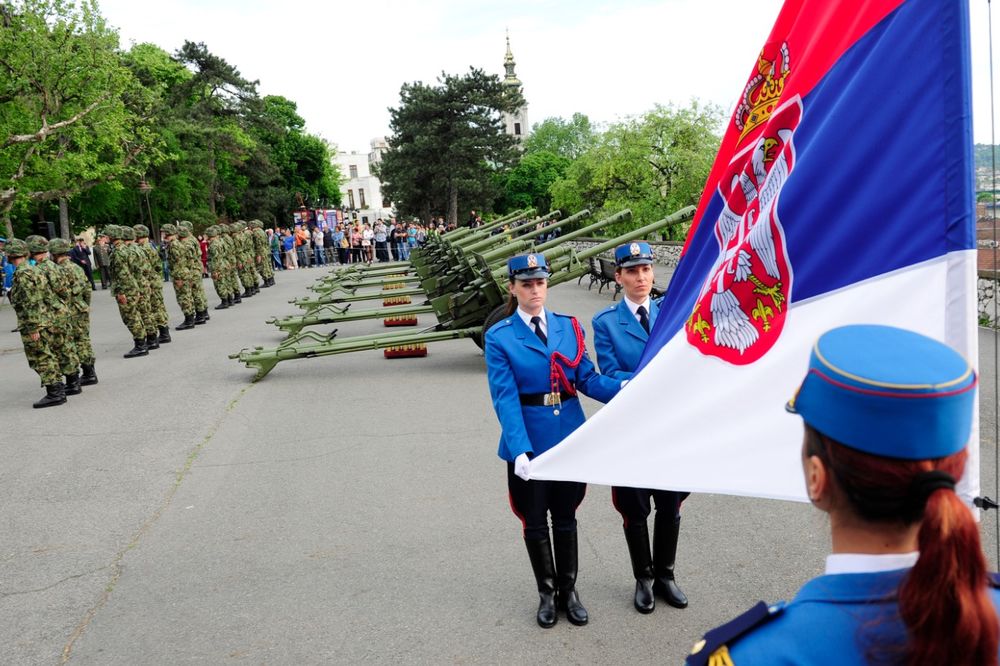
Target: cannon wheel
{"points": [[496, 314]]}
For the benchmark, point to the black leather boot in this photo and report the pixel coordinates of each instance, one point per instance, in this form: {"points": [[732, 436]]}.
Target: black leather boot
{"points": [[55, 394], [236, 297], [566, 568], [89, 377], [222, 305], [540, 554], [267, 283], [72, 386], [665, 533], [200, 317], [247, 293], [186, 324], [637, 538], [139, 349], [164, 336], [151, 342]]}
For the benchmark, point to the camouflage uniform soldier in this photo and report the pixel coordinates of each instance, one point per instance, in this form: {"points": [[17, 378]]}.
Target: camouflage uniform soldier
{"points": [[244, 250], [79, 329], [60, 286], [175, 263], [155, 272], [193, 269], [31, 297], [137, 260], [218, 266], [28, 296], [127, 290], [262, 252]]}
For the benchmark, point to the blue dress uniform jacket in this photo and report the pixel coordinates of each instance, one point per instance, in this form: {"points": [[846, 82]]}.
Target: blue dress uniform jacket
{"points": [[619, 339], [517, 362], [836, 619]]}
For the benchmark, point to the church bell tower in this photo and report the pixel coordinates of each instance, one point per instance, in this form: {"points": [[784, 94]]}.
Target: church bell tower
{"points": [[516, 123]]}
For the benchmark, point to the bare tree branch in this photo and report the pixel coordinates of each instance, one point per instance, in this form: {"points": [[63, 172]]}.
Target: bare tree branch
{"points": [[47, 129]]}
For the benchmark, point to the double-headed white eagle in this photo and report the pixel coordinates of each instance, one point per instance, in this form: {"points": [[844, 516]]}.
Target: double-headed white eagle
{"points": [[733, 327]]}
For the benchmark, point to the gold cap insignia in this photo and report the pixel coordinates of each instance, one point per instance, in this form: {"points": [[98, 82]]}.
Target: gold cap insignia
{"points": [[634, 249], [532, 261]]}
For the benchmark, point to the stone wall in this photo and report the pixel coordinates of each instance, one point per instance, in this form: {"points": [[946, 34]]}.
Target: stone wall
{"points": [[668, 253]]}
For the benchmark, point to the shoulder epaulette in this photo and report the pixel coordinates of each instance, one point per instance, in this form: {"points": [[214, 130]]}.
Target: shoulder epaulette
{"points": [[610, 308], [712, 648]]}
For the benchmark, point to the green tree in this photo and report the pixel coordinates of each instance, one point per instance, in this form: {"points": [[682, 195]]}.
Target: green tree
{"points": [[447, 144], [71, 115], [527, 184], [653, 164], [567, 138]]}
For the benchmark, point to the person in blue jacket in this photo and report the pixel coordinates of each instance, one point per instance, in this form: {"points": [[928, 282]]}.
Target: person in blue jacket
{"points": [[536, 362], [888, 414], [620, 334]]}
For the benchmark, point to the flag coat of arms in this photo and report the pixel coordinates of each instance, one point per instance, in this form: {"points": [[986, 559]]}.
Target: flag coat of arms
{"points": [[842, 193]]}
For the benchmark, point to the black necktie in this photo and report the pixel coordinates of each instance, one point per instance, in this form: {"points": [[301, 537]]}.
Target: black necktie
{"points": [[643, 318], [537, 321]]}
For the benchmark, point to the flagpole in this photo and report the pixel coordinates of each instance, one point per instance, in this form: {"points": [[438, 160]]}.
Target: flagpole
{"points": [[996, 296]]}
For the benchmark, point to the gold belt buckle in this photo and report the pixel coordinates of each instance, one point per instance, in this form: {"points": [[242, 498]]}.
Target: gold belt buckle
{"points": [[553, 400]]}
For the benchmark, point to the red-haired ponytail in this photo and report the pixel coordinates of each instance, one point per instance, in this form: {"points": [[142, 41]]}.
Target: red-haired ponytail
{"points": [[944, 601]]}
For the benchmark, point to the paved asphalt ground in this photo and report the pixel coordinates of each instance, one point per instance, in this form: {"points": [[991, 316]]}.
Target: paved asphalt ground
{"points": [[343, 509]]}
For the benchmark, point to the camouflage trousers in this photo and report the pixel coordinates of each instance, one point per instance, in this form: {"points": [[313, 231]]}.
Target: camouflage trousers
{"points": [[198, 292], [248, 276], [79, 338], [159, 308], [184, 289], [233, 280], [132, 315], [50, 355], [264, 268], [219, 281], [145, 306]]}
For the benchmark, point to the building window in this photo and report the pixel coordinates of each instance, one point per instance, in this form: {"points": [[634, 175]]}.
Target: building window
{"points": [[364, 219], [361, 197], [517, 129], [386, 203], [354, 170], [350, 198]]}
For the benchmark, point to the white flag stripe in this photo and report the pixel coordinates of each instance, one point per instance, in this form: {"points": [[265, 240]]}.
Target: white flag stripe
{"points": [[691, 422]]}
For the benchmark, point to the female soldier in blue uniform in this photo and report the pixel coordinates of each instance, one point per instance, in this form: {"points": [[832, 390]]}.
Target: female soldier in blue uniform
{"points": [[620, 334], [536, 362], [887, 416]]}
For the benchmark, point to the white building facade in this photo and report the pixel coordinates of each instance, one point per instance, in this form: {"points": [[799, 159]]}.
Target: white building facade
{"points": [[516, 123], [361, 191]]}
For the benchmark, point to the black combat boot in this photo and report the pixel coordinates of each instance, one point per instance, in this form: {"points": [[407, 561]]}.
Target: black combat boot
{"points": [[566, 568], [267, 283], [223, 304], [186, 324], [89, 377], [637, 538], [72, 386], [540, 554], [164, 336], [139, 349], [665, 533], [151, 342], [200, 317], [236, 297], [247, 293], [55, 394]]}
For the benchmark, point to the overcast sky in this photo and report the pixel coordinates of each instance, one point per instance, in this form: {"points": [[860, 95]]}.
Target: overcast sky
{"points": [[343, 63]]}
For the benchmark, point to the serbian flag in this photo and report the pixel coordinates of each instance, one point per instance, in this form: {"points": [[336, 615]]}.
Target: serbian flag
{"points": [[842, 193]]}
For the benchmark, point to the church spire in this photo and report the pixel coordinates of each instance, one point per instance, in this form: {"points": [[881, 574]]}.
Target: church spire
{"points": [[510, 79]]}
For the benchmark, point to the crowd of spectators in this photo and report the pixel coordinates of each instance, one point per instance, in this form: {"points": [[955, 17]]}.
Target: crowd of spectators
{"points": [[348, 242]]}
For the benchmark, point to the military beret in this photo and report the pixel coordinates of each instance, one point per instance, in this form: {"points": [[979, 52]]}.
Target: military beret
{"points": [[59, 246], [141, 230], [16, 248], [169, 229], [888, 392], [37, 245], [127, 233]]}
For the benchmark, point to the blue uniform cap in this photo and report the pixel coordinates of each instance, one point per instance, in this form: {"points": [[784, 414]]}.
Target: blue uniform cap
{"points": [[633, 254], [889, 392], [527, 267]]}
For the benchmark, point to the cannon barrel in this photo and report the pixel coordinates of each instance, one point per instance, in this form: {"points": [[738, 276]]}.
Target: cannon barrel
{"points": [[521, 232], [461, 232], [620, 216], [483, 238], [531, 233]]}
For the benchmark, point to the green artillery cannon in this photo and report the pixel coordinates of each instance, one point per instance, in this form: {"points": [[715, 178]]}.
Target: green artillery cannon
{"points": [[468, 314]]}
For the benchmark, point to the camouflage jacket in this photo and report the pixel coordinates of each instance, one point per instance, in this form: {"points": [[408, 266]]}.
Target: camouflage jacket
{"points": [[125, 278], [260, 244], [177, 258], [80, 286], [218, 257], [36, 305], [60, 283]]}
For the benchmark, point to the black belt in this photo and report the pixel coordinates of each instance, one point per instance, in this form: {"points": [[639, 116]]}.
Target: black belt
{"points": [[543, 399]]}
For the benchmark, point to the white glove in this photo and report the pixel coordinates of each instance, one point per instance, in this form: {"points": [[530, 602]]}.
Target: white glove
{"points": [[521, 464]]}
